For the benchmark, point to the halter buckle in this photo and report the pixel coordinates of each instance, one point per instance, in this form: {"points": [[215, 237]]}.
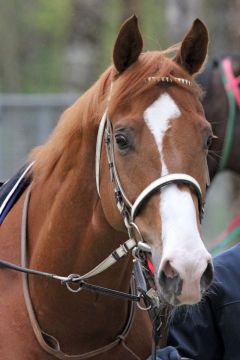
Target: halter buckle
{"points": [[119, 201], [153, 295], [144, 247]]}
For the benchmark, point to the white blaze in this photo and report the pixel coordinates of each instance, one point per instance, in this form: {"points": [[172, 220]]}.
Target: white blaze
{"points": [[157, 117], [182, 244]]}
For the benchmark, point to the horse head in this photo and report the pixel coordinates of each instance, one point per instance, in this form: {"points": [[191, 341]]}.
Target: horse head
{"points": [[157, 129]]}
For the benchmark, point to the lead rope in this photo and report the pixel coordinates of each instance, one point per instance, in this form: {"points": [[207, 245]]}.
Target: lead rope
{"points": [[48, 342], [227, 145]]}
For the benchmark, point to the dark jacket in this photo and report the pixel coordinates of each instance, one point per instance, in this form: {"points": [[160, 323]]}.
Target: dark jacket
{"points": [[211, 329]]}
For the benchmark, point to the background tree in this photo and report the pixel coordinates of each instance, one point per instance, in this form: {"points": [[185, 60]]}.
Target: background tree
{"points": [[53, 46]]}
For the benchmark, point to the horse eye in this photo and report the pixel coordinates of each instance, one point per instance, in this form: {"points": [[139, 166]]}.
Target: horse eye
{"points": [[122, 141], [209, 142]]}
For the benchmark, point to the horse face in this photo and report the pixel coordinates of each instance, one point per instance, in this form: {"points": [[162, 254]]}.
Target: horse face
{"points": [[182, 264], [168, 136], [161, 132]]}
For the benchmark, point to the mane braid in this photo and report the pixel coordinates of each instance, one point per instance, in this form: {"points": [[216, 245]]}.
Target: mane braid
{"points": [[152, 68], [168, 79]]}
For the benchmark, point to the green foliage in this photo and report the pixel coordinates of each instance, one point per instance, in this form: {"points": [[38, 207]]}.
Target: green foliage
{"points": [[51, 18], [33, 39], [151, 22], [112, 18]]}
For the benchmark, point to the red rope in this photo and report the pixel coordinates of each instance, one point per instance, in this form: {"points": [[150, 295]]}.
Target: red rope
{"points": [[232, 81]]}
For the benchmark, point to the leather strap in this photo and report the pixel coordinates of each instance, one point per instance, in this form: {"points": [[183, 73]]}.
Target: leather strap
{"points": [[116, 255], [233, 95], [232, 83], [48, 342], [166, 312], [8, 197], [99, 149], [164, 181]]}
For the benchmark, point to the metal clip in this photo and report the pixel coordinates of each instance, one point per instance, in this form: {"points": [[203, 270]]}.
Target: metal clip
{"points": [[138, 254], [144, 247], [153, 295]]}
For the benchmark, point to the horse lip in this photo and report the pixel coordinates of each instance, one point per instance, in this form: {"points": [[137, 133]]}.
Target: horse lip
{"points": [[167, 298]]}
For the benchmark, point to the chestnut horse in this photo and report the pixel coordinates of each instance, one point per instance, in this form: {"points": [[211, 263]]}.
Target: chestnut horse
{"points": [[221, 82], [152, 133]]}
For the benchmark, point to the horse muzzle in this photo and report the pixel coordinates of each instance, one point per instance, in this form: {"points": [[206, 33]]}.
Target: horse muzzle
{"points": [[183, 285]]}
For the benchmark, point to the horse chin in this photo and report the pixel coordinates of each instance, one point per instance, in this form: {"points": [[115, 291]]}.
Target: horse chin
{"points": [[167, 298], [175, 300]]}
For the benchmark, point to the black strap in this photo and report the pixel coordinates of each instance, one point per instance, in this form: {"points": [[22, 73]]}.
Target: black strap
{"points": [[106, 291], [72, 280], [11, 266], [139, 276]]}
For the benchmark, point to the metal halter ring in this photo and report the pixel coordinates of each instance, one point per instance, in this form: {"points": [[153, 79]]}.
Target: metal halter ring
{"points": [[143, 308], [138, 252], [133, 229], [71, 281], [141, 244]]}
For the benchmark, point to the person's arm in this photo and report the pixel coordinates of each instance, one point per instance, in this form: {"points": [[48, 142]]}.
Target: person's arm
{"points": [[194, 332]]}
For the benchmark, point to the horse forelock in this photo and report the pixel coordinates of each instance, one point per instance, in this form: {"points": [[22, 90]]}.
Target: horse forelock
{"points": [[135, 80]]}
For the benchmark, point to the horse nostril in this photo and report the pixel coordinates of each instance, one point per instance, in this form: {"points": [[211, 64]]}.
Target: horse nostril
{"points": [[169, 270], [207, 276], [169, 279]]}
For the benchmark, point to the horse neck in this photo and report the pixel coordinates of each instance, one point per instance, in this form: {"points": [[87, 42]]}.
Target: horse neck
{"points": [[68, 233]]}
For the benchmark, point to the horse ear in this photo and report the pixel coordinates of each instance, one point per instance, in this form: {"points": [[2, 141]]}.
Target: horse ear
{"points": [[128, 45], [193, 51]]}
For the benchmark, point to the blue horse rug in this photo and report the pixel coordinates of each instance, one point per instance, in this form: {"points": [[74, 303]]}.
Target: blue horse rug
{"points": [[12, 189]]}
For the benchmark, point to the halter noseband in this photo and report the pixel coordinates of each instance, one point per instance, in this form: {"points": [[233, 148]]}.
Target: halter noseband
{"points": [[128, 210]]}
